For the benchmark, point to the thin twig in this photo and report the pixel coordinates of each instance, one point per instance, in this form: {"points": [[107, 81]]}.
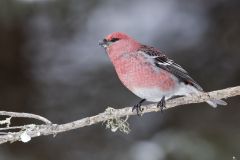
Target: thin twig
{"points": [[52, 129], [10, 128], [25, 115]]}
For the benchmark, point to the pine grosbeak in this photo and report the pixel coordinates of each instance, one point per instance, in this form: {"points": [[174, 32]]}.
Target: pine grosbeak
{"points": [[149, 73]]}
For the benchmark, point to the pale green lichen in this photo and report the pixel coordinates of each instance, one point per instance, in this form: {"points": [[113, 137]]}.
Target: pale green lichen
{"points": [[117, 123]]}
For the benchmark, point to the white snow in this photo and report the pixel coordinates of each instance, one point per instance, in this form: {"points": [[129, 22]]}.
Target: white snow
{"points": [[25, 137]]}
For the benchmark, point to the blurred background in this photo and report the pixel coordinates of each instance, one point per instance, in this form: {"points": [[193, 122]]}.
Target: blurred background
{"points": [[51, 64]]}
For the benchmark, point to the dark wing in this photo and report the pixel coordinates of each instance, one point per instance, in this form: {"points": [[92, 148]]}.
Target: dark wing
{"points": [[163, 62]]}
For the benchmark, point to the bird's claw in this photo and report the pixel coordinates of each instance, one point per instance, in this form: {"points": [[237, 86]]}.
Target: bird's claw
{"points": [[138, 107], [162, 104]]}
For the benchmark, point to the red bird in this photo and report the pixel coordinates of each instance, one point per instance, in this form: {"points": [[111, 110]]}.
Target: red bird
{"points": [[149, 73]]}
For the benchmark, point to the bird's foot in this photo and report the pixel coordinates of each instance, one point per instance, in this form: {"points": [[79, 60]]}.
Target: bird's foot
{"points": [[162, 104], [138, 107]]}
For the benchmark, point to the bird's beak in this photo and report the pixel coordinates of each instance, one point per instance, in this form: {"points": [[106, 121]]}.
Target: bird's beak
{"points": [[104, 43]]}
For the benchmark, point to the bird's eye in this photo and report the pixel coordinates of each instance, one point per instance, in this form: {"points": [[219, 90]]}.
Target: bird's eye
{"points": [[114, 39]]}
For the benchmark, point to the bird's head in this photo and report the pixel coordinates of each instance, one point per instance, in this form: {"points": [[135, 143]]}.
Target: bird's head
{"points": [[113, 38], [117, 44]]}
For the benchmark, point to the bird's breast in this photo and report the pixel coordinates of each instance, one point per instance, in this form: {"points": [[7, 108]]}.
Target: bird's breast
{"points": [[135, 71]]}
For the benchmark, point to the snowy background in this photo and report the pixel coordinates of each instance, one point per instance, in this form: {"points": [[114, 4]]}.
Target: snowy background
{"points": [[51, 64]]}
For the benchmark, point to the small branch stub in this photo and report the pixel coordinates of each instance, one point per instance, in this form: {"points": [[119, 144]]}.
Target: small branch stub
{"points": [[7, 121]]}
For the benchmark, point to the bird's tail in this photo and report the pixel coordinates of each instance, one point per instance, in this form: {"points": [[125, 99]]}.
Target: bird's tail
{"points": [[215, 102], [212, 102]]}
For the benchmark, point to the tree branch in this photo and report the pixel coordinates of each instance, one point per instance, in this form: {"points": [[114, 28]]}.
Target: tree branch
{"points": [[26, 132]]}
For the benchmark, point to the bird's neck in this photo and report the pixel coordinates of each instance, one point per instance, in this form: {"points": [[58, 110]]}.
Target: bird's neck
{"points": [[117, 50]]}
